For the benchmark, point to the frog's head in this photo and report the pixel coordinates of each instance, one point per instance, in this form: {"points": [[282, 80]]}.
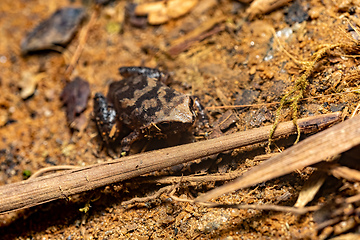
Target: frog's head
{"points": [[173, 119]]}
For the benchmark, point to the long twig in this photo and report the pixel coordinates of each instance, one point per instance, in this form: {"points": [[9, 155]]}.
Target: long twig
{"points": [[64, 184], [314, 149]]}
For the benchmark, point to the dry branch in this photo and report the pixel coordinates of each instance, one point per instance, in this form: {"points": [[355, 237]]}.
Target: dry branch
{"points": [[64, 184], [314, 149]]}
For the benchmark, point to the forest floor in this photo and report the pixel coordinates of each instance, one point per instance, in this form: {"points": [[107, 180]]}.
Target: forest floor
{"points": [[238, 63]]}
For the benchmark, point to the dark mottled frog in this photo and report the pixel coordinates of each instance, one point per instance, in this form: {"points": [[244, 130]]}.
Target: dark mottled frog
{"points": [[144, 104]]}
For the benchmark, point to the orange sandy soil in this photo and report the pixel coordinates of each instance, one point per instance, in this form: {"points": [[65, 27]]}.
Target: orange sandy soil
{"points": [[215, 69]]}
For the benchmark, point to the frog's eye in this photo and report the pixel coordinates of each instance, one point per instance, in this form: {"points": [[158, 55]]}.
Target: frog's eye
{"points": [[164, 125], [192, 103]]}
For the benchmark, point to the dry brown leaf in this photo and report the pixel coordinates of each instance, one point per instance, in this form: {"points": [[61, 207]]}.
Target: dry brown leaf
{"points": [[75, 96], [57, 30]]}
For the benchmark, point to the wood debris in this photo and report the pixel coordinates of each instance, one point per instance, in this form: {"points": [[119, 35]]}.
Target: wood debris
{"points": [[314, 149], [28, 83], [205, 30], [162, 11], [46, 188], [259, 7], [310, 188]]}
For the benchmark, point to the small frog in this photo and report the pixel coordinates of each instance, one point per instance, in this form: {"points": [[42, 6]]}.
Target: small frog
{"points": [[145, 105]]}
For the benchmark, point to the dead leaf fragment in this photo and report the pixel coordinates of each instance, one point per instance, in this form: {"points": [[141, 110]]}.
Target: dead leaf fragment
{"points": [[57, 30], [3, 117], [28, 83], [163, 11], [310, 188], [258, 7], [75, 96]]}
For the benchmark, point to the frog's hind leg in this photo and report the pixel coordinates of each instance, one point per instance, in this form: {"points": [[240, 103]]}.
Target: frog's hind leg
{"points": [[144, 71]]}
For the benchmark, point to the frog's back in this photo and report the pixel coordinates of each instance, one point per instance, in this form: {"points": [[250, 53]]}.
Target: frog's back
{"points": [[140, 101]]}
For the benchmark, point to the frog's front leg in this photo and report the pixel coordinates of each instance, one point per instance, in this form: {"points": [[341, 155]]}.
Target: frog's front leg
{"points": [[129, 139], [200, 112], [105, 119]]}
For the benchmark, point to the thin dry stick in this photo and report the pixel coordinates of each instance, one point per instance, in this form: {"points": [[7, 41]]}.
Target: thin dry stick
{"points": [[346, 173], [64, 184], [352, 199], [192, 179], [268, 207], [299, 62], [264, 157], [51, 169], [148, 198], [355, 111], [82, 42], [314, 149], [274, 103]]}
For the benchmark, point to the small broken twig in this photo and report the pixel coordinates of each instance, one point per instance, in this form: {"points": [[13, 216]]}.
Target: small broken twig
{"points": [[52, 169], [148, 198], [82, 42]]}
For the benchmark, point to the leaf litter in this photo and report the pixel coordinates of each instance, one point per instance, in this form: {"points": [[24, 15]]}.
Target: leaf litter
{"points": [[75, 96], [57, 30], [244, 61]]}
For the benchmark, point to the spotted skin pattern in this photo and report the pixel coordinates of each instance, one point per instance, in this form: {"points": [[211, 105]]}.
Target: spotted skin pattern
{"points": [[143, 104]]}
